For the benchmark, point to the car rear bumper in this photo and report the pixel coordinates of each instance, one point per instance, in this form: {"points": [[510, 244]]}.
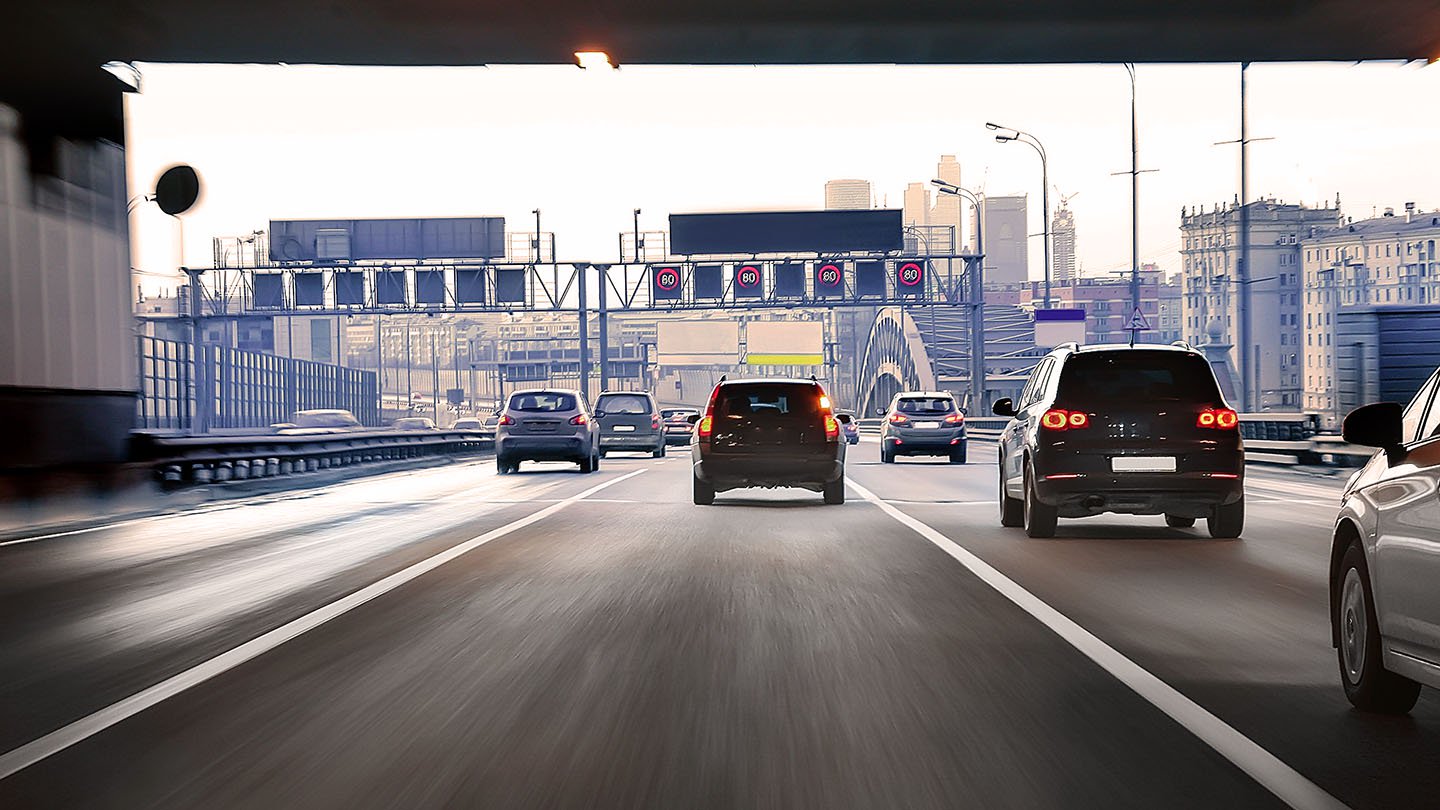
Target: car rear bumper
{"points": [[924, 441], [624, 441], [677, 437], [1184, 494], [542, 448], [734, 471]]}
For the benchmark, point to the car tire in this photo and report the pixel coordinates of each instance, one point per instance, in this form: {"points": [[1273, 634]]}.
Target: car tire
{"points": [[958, 456], [660, 453], [1177, 522], [1227, 521], [702, 493], [595, 462], [602, 453], [887, 456], [1368, 685], [587, 463], [1040, 518], [1012, 510], [835, 492], [504, 466]]}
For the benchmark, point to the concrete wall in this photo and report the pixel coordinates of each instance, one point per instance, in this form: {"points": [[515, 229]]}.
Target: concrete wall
{"points": [[67, 355]]}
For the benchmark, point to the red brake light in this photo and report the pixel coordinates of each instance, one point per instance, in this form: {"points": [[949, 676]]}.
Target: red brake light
{"points": [[506, 420], [654, 422], [1079, 420], [579, 419], [1218, 418], [898, 418], [704, 427], [1055, 419], [832, 428], [955, 418]]}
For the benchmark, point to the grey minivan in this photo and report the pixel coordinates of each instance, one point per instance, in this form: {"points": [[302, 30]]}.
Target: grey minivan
{"points": [[629, 420], [546, 425]]}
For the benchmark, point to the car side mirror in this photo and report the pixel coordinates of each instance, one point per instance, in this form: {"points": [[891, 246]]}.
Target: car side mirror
{"points": [[693, 418], [599, 414], [1003, 407], [1376, 425]]}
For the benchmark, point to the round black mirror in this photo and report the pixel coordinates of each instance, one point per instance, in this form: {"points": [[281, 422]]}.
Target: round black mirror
{"points": [[177, 189]]}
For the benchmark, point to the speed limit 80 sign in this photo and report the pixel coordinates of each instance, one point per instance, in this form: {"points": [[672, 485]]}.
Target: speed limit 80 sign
{"points": [[748, 281], [665, 282], [829, 279], [910, 276]]}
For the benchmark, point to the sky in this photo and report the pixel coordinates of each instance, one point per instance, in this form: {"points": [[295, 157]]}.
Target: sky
{"points": [[587, 147]]}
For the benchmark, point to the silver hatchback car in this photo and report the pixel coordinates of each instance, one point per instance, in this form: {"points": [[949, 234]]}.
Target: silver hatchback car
{"points": [[629, 420], [546, 425]]}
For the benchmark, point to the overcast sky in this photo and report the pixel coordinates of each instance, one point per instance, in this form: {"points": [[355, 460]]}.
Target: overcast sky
{"points": [[588, 147]]}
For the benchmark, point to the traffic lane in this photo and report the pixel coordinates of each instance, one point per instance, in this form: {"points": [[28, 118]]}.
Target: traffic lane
{"points": [[929, 479], [91, 636], [768, 651], [1241, 627]]}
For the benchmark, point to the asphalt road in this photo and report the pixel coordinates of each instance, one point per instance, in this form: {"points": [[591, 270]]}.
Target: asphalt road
{"points": [[450, 638]]}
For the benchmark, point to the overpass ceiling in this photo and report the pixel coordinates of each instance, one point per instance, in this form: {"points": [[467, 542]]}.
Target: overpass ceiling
{"points": [[51, 49]]}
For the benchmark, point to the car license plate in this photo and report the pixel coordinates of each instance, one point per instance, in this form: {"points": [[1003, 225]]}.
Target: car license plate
{"points": [[1142, 464], [926, 425], [624, 428]]}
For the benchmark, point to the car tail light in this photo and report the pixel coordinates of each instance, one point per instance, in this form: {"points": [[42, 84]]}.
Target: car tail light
{"points": [[1079, 420], [1055, 420], [832, 428], [824, 403], [506, 420], [579, 419], [654, 423], [1218, 418], [956, 419], [706, 423], [898, 418]]}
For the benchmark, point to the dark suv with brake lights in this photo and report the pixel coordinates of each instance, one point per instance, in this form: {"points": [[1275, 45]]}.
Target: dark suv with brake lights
{"points": [[923, 424], [768, 433], [1138, 430]]}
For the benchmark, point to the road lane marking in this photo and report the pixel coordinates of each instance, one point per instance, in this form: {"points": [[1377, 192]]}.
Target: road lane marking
{"points": [[1262, 766], [86, 727]]}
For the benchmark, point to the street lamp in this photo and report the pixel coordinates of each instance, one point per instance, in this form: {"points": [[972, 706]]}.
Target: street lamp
{"points": [[1034, 143], [639, 243], [976, 294]]}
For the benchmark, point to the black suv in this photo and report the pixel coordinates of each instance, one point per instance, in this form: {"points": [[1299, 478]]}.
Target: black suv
{"points": [[1137, 430], [768, 433]]}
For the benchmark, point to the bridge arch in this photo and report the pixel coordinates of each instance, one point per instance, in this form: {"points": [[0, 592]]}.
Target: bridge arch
{"points": [[895, 360]]}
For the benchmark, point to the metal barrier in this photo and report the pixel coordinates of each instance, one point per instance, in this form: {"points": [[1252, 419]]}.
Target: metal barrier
{"points": [[182, 461]]}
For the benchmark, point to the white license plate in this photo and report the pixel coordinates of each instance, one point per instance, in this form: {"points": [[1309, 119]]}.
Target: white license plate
{"points": [[1142, 464], [624, 428], [926, 425]]}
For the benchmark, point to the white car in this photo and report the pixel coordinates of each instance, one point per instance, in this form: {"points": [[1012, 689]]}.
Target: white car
{"points": [[1385, 558]]}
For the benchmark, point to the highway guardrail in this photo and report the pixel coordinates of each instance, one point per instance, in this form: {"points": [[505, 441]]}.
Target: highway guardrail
{"points": [[183, 461]]}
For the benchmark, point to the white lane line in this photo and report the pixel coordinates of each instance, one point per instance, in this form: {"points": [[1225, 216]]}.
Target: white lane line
{"points": [[86, 727], [1262, 766]]}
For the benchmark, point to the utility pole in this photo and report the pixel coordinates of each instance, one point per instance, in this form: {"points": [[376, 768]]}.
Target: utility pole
{"points": [[1135, 172], [582, 270], [199, 374], [602, 274], [638, 243], [535, 243]]}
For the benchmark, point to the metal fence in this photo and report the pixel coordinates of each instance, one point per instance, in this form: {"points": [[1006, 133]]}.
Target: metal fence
{"points": [[245, 389]]}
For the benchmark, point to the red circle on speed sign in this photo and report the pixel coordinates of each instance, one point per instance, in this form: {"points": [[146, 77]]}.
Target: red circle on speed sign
{"points": [[667, 278], [829, 275], [911, 274], [748, 277]]}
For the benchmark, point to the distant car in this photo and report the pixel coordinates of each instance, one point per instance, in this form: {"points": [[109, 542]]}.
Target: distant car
{"points": [[629, 420], [1385, 557], [546, 425], [923, 423], [491, 422], [318, 422], [767, 433], [413, 423], [849, 428], [467, 423], [678, 424], [1138, 430]]}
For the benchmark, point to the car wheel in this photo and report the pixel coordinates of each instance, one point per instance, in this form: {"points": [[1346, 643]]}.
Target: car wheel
{"points": [[1369, 686], [587, 464], [602, 453], [1012, 510], [595, 462], [835, 492], [702, 493], [502, 465], [1177, 522], [1040, 518], [958, 456], [1227, 521], [887, 456], [660, 453]]}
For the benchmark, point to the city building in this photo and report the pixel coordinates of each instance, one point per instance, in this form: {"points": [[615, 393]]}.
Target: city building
{"points": [[1007, 255], [1062, 245], [1171, 306], [946, 213], [1107, 305], [841, 194], [916, 210], [1211, 294], [1384, 261]]}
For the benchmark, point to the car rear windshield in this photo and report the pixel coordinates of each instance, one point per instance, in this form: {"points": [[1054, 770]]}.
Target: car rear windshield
{"points": [[623, 403], [542, 401], [1137, 376], [925, 405], [768, 399]]}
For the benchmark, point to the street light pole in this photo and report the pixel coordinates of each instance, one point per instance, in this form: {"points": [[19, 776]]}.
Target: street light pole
{"points": [[976, 271], [1034, 143], [637, 236]]}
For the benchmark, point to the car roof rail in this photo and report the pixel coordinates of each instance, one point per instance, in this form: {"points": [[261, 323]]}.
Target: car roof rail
{"points": [[1180, 344], [1071, 345]]}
